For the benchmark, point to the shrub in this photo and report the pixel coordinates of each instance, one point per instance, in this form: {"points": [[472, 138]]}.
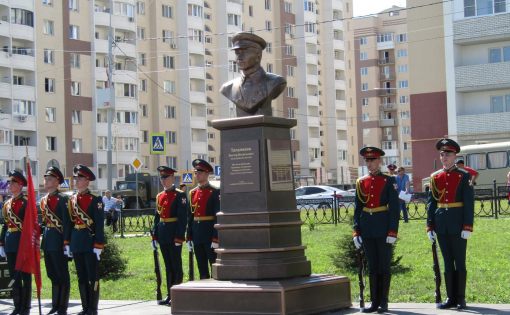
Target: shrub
{"points": [[112, 265]]}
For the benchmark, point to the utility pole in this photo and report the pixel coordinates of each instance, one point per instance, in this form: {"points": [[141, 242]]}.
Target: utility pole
{"points": [[110, 110]]}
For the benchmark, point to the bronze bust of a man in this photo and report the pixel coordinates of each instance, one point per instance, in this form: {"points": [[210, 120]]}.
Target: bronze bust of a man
{"points": [[254, 90]]}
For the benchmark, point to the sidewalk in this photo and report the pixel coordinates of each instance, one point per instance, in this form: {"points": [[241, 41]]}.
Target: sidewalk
{"points": [[111, 307]]}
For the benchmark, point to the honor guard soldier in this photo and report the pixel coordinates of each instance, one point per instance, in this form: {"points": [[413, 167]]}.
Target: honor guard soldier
{"points": [[376, 218], [450, 213], [204, 205], [13, 212], [53, 209], [85, 236], [170, 227]]}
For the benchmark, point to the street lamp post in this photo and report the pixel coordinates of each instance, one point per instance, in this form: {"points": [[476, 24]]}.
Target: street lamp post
{"points": [[111, 108]]}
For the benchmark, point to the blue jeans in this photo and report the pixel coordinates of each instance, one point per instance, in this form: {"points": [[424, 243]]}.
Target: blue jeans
{"points": [[404, 210]]}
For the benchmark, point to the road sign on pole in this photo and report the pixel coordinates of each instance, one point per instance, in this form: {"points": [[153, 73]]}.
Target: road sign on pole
{"points": [[66, 184], [217, 171], [137, 164], [158, 143], [187, 178]]}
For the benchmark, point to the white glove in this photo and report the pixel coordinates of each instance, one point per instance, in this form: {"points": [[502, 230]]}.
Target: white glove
{"points": [[177, 244], [391, 239], [190, 245], [357, 241], [154, 244], [2, 251], [432, 236], [465, 234], [97, 251], [215, 245], [67, 251]]}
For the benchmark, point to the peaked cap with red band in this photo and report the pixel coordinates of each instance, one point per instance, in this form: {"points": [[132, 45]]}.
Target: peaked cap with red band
{"points": [[18, 177], [448, 145], [202, 165], [371, 152], [166, 171], [55, 172], [392, 167], [83, 171]]}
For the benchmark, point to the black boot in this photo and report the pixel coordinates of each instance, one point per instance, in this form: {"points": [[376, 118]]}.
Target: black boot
{"points": [[385, 292], [55, 294], [165, 301], [63, 299], [84, 298], [374, 295], [26, 299], [461, 289], [93, 298], [16, 300], [449, 280]]}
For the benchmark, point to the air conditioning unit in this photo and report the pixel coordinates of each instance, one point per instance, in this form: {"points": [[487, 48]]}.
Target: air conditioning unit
{"points": [[22, 118]]}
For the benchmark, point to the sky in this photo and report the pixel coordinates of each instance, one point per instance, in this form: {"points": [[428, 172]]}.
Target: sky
{"points": [[365, 7]]}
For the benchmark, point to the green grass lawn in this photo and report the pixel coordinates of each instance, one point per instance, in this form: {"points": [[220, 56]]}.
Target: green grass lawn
{"points": [[488, 264]]}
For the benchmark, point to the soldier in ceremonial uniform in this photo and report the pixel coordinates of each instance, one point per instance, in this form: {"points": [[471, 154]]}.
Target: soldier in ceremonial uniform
{"points": [[14, 212], [376, 218], [204, 205], [169, 227], [84, 232], [53, 211], [450, 213]]}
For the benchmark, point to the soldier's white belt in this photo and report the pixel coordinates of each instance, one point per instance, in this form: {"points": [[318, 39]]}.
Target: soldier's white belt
{"points": [[376, 209], [168, 220], [204, 218], [450, 205]]}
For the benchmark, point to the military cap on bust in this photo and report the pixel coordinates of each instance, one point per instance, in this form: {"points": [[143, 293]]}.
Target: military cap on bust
{"points": [[371, 152], [449, 145], [55, 172], [202, 165], [83, 171], [245, 40], [165, 171], [18, 177], [392, 167]]}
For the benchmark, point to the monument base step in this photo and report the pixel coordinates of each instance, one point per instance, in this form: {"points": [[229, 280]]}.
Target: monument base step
{"points": [[301, 295]]}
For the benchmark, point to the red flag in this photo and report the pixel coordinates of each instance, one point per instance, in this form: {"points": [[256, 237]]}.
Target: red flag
{"points": [[29, 251]]}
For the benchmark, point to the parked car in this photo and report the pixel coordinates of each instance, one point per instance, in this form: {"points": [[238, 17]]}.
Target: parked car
{"points": [[319, 196]]}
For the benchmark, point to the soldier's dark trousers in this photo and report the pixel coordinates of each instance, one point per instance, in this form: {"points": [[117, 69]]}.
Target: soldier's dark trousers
{"points": [[205, 256], [21, 288], [173, 264], [453, 249], [378, 254], [58, 271], [88, 281]]}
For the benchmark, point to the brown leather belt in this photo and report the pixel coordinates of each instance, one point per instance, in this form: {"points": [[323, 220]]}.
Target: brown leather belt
{"points": [[450, 205], [166, 220], [204, 218], [80, 226]]}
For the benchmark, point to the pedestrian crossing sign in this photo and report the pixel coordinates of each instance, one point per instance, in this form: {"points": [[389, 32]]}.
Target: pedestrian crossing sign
{"points": [[187, 178], [158, 143], [66, 184]]}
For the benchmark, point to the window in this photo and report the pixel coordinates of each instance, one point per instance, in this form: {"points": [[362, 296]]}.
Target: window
{"points": [[267, 4], [483, 7], [145, 136], [268, 26], [290, 70], [73, 5], [403, 99], [140, 7], [171, 137], [48, 27], [287, 6], [47, 2], [406, 130], [126, 90], [364, 86], [290, 91], [288, 28], [364, 71], [402, 38], [384, 37], [289, 50], [195, 10], [75, 60], [49, 56], [403, 84], [140, 32], [233, 19], [21, 16], [76, 117], [250, 10], [77, 145], [293, 134], [363, 55], [166, 11], [5, 137], [143, 85], [169, 87], [195, 35], [51, 114], [310, 6], [363, 41], [141, 59], [499, 54], [364, 101], [74, 32], [405, 115], [49, 85], [310, 27], [269, 47], [171, 161], [168, 62], [478, 161], [497, 104], [18, 80], [402, 53], [387, 145], [497, 159], [211, 135], [144, 109], [169, 111], [75, 88], [232, 66], [365, 117], [51, 143]]}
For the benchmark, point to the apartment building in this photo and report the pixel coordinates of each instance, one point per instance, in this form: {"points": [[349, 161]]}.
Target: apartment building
{"points": [[460, 83], [169, 60], [379, 112]]}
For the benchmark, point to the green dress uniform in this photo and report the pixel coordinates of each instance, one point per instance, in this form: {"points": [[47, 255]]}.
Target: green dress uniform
{"points": [[376, 217], [13, 212], [450, 210], [169, 229], [84, 231]]}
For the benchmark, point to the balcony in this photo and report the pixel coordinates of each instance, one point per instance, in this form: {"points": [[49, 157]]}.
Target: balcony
{"points": [[119, 130], [490, 123], [340, 105], [386, 76], [126, 103], [125, 49], [387, 122], [388, 107], [198, 122], [388, 138], [315, 162], [339, 64], [5, 90], [341, 124], [197, 72], [25, 62], [391, 152], [386, 61], [488, 28], [338, 44], [199, 147], [340, 85], [23, 122], [5, 29], [23, 92], [386, 45], [125, 76], [386, 91], [24, 4], [19, 151], [312, 79], [314, 142], [312, 59], [341, 144], [312, 100], [197, 97], [195, 47], [489, 76], [313, 121], [19, 31]]}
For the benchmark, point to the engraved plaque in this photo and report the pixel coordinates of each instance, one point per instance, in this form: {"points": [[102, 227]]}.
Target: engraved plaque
{"points": [[280, 165], [241, 169]]}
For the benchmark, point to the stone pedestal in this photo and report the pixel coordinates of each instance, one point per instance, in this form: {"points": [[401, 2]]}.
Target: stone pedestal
{"points": [[261, 266]]}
